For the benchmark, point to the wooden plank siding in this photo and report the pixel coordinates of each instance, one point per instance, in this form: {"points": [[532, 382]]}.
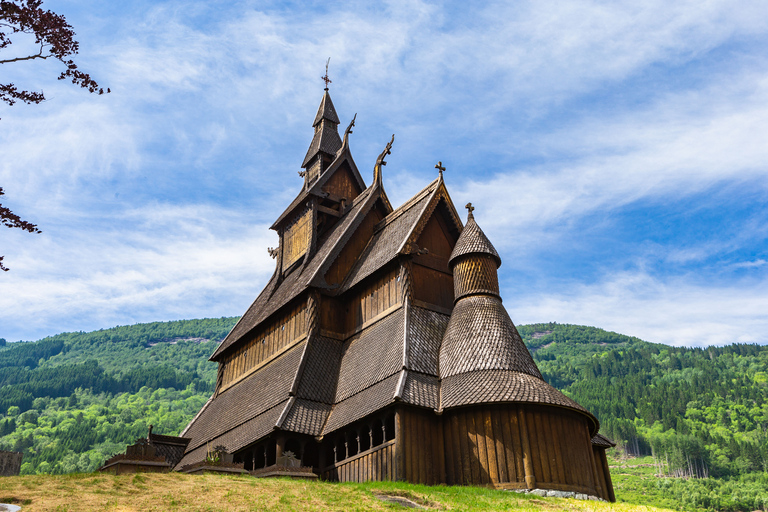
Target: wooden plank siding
{"points": [[352, 250], [423, 447], [485, 445], [295, 239], [432, 286], [375, 298], [341, 184], [376, 464], [266, 342]]}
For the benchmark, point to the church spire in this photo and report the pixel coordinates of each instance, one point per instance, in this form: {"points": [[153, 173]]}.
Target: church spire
{"points": [[326, 141]]}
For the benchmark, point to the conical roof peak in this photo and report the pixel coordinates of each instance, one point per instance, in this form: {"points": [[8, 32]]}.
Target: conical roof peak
{"points": [[326, 110], [326, 139], [472, 241]]}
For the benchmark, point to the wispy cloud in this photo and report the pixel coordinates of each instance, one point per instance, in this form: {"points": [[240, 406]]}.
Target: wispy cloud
{"points": [[671, 311], [551, 116]]}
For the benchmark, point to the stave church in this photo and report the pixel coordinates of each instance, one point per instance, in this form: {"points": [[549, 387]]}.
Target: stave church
{"points": [[380, 349]]}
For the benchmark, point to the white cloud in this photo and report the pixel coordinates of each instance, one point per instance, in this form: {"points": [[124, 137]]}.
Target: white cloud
{"points": [[672, 311], [206, 95], [176, 262]]}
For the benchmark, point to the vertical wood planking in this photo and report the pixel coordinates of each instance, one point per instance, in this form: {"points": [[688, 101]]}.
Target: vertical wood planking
{"points": [[512, 450], [474, 455], [466, 445], [482, 452], [490, 447], [501, 455], [438, 451], [448, 450], [530, 424]]}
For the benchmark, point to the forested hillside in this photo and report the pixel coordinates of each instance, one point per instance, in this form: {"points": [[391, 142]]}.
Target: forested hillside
{"points": [[72, 400]]}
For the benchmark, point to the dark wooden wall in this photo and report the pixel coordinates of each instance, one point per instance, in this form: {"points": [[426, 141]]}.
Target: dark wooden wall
{"points": [[374, 298], [342, 184], [264, 343], [352, 250], [604, 474], [423, 451], [516, 446], [432, 286]]}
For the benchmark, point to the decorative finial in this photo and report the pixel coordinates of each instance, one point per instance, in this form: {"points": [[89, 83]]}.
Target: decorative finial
{"points": [[440, 168], [349, 128], [470, 209], [325, 78], [380, 161]]}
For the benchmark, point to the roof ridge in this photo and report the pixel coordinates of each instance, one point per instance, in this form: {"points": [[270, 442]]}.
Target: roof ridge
{"points": [[426, 206], [363, 210], [397, 212]]}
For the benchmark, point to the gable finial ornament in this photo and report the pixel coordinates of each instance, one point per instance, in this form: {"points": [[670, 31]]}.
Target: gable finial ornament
{"points": [[470, 209], [440, 168], [380, 161], [348, 131], [273, 252], [325, 78]]}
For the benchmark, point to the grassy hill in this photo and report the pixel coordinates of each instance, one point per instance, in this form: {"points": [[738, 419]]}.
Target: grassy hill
{"points": [[217, 492], [71, 400]]}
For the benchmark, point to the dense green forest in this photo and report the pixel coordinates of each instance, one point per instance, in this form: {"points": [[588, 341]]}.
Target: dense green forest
{"points": [[701, 415], [72, 400]]}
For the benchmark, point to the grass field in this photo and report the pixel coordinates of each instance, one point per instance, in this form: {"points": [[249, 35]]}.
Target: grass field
{"points": [[171, 491]]}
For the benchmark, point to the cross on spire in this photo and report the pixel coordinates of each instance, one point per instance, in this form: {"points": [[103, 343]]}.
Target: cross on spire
{"points": [[440, 168], [325, 78], [470, 209]]}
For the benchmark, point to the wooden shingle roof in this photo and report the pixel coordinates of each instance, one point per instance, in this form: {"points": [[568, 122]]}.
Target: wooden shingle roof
{"points": [[481, 336], [279, 293], [257, 393], [473, 241]]}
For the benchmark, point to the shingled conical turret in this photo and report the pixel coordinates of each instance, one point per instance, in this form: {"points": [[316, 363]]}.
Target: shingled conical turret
{"points": [[482, 357], [326, 141]]}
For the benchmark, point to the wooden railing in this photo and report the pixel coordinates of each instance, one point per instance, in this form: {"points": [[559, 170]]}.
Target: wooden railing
{"points": [[376, 464]]}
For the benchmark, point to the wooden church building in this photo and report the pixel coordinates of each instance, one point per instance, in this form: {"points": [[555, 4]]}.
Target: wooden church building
{"points": [[380, 349]]}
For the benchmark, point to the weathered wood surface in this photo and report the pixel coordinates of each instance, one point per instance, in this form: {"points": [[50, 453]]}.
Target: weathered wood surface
{"points": [[375, 464], [502, 445], [295, 239], [264, 343], [352, 250]]}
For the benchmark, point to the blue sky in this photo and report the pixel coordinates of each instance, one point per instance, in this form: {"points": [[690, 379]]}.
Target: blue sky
{"points": [[615, 151]]}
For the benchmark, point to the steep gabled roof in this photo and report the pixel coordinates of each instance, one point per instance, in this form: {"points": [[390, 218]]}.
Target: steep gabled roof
{"points": [[278, 294], [316, 189], [232, 415], [394, 233]]}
